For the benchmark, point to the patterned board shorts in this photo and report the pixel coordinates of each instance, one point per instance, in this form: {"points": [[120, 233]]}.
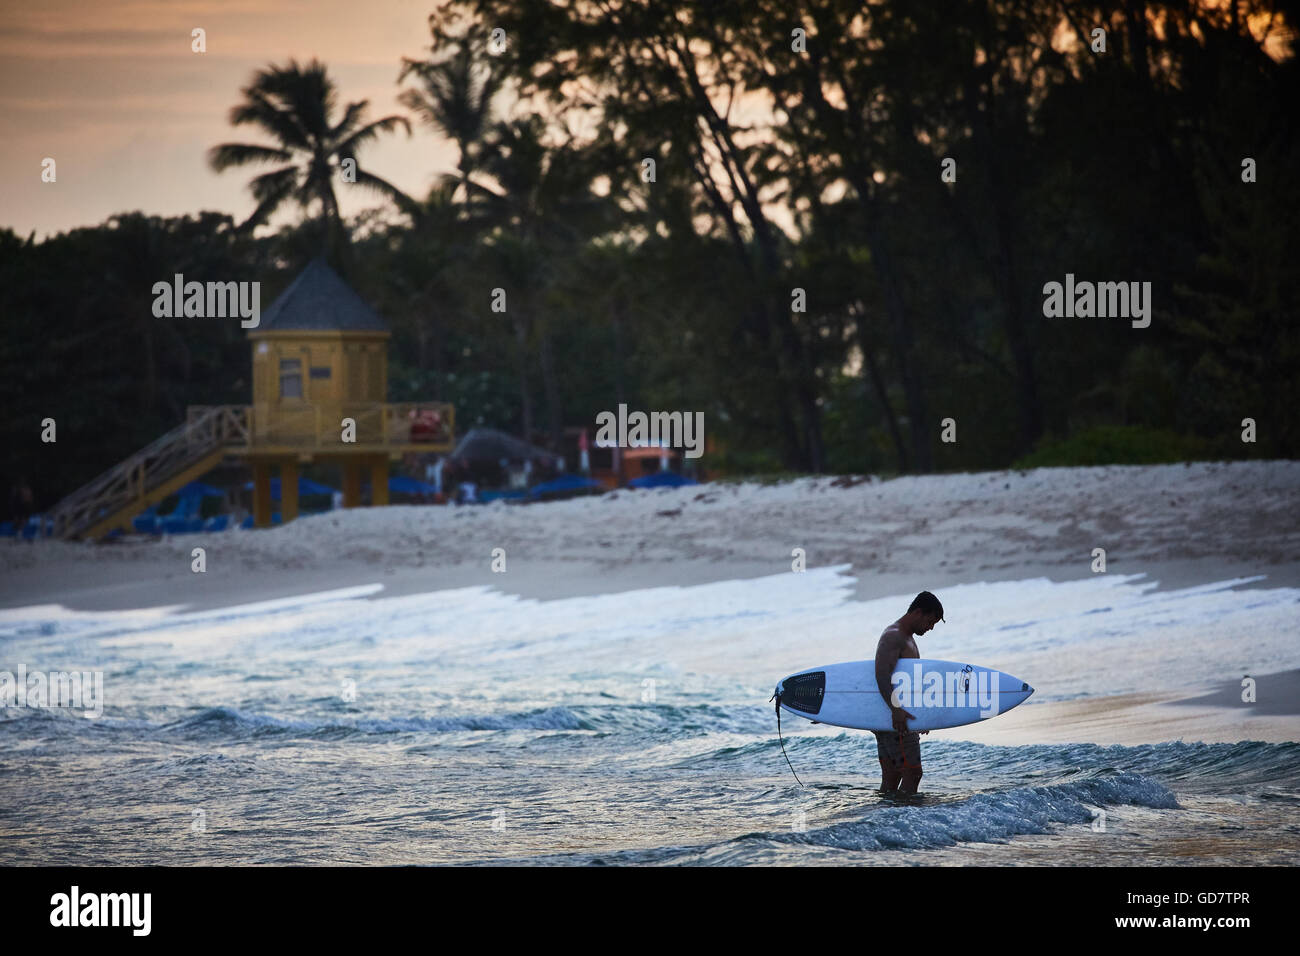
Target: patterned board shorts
{"points": [[896, 754]]}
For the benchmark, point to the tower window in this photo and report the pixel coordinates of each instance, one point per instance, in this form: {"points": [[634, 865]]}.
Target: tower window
{"points": [[291, 378]]}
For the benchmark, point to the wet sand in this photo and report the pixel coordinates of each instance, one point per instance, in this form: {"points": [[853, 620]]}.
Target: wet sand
{"points": [[1132, 719]]}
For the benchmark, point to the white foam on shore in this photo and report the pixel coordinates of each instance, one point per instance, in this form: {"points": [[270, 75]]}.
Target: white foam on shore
{"points": [[1108, 635]]}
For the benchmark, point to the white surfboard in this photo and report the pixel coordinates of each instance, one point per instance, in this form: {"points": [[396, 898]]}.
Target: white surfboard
{"points": [[937, 693]]}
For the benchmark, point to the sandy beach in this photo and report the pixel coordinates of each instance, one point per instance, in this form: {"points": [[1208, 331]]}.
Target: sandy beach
{"points": [[1179, 524]]}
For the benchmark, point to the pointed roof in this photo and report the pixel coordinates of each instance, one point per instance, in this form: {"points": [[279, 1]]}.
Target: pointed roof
{"points": [[319, 301]]}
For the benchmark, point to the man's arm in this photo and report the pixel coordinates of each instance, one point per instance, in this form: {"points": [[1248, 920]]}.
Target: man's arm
{"points": [[887, 654]]}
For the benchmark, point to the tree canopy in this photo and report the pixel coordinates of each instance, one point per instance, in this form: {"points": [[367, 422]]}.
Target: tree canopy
{"points": [[828, 227]]}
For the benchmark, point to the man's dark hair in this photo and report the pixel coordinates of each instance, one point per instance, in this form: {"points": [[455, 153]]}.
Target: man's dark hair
{"points": [[927, 602]]}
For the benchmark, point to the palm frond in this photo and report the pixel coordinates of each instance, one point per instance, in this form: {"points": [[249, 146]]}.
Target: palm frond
{"points": [[370, 131], [271, 190], [388, 191], [258, 110], [226, 155]]}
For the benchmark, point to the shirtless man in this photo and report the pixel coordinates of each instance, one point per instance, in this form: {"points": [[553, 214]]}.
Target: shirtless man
{"points": [[900, 749]]}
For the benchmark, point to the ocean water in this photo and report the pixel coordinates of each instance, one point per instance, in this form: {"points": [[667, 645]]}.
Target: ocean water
{"points": [[471, 727]]}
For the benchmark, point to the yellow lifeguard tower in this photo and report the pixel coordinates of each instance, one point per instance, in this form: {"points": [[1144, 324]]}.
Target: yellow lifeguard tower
{"points": [[320, 379]]}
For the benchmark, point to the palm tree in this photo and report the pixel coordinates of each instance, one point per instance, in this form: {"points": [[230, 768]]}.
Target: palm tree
{"points": [[295, 104], [544, 209], [454, 97]]}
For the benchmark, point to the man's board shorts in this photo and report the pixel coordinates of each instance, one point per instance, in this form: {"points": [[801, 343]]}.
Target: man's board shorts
{"points": [[899, 753]]}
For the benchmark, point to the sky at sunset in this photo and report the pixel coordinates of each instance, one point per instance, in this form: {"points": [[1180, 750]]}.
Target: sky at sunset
{"points": [[111, 91]]}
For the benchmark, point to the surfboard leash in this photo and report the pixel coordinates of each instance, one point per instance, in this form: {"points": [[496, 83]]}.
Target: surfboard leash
{"points": [[777, 697]]}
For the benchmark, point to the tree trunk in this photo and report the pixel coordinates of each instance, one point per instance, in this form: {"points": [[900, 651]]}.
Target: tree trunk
{"points": [[1007, 279], [620, 387], [793, 370], [844, 132], [901, 331], [550, 388], [877, 383], [521, 357]]}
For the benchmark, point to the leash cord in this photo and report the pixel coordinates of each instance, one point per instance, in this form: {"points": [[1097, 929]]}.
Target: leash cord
{"points": [[777, 698]]}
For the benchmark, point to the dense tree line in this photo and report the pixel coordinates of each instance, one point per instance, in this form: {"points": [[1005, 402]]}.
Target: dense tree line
{"points": [[793, 148]]}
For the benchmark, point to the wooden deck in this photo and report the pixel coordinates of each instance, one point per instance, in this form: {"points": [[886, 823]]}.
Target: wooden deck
{"points": [[212, 433]]}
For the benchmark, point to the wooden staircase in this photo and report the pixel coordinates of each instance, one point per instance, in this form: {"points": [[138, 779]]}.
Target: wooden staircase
{"points": [[151, 474]]}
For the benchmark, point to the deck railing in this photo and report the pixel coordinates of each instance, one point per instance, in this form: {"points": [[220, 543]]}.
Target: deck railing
{"points": [[307, 426], [130, 480], [239, 428]]}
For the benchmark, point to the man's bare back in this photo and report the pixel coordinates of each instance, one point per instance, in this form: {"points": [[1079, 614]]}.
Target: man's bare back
{"points": [[892, 638]]}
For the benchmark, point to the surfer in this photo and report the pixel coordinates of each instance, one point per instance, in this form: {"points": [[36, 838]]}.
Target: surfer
{"points": [[900, 749]]}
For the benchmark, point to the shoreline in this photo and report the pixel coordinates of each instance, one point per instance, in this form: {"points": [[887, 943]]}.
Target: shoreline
{"points": [[153, 581], [888, 539]]}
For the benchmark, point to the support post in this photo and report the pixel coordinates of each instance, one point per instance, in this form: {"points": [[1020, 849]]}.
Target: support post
{"points": [[261, 494], [379, 481], [351, 483], [288, 490]]}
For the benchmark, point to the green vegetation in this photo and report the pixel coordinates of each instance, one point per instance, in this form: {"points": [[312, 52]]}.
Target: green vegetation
{"points": [[922, 298], [1115, 445]]}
